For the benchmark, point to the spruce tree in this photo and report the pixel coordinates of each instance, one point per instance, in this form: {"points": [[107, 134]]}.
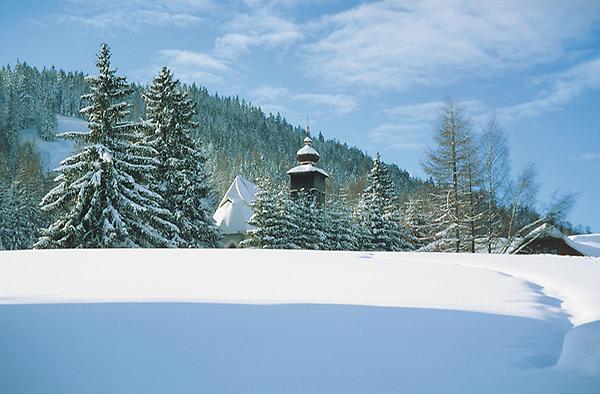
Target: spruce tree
{"points": [[378, 214], [340, 229], [99, 202], [273, 219], [310, 219], [181, 176]]}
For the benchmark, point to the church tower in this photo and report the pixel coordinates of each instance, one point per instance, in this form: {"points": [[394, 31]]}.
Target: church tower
{"points": [[307, 175]]}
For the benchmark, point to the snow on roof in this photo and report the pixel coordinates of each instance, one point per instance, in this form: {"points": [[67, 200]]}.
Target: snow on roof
{"points": [[235, 209], [587, 245], [307, 150], [307, 168]]}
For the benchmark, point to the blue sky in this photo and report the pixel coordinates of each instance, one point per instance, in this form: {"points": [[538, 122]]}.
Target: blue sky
{"points": [[372, 74]]}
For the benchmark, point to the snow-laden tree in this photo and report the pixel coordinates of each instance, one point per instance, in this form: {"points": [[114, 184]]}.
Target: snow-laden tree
{"points": [[20, 216], [378, 213], [447, 164], [99, 201], [342, 232], [181, 176], [496, 181], [45, 120], [474, 207], [418, 216], [272, 219], [310, 219]]}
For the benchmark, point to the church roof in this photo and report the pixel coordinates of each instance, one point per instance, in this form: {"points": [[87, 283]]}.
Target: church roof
{"points": [[307, 154], [309, 167], [235, 208]]}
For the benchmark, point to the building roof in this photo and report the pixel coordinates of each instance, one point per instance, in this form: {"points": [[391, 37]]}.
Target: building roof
{"points": [[235, 208], [587, 245], [309, 167]]}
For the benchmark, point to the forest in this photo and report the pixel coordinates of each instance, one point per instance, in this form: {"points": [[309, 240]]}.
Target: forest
{"points": [[157, 158]]}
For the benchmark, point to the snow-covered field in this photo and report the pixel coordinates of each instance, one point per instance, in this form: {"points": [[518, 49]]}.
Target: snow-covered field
{"points": [[297, 321], [53, 152]]}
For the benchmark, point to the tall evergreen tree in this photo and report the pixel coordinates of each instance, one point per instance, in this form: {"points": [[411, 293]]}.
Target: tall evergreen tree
{"points": [[181, 176], [274, 225], [378, 213], [99, 201], [20, 215], [310, 219], [341, 231]]}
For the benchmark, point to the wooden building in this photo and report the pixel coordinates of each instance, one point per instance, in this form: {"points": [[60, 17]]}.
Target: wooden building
{"points": [[307, 176], [547, 239]]}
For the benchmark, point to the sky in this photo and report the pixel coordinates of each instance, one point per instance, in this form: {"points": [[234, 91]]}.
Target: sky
{"points": [[372, 74]]}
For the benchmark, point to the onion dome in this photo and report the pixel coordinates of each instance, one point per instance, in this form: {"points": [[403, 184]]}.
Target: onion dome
{"points": [[307, 154]]}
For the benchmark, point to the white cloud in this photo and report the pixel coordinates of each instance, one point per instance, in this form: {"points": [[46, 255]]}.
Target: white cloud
{"points": [[190, 66], [135, 20], [340, 103], [397, 136], [593, 157], [428, 113], [564, 87], [260, 28], [131, 15], [272, 96], [396, 45], [270, 93]]}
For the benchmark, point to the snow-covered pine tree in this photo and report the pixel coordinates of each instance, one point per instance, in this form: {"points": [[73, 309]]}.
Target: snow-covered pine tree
{"points": [[99, 202], [20, 216], [181, 176], [45, 120], [6, 214], [310, 219], [287, 219], [272, 219], [340, 229], [378, 213]]}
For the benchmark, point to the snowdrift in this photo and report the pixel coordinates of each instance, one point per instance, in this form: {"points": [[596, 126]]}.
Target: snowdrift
{"points": [[589, 244], [302, 321]]}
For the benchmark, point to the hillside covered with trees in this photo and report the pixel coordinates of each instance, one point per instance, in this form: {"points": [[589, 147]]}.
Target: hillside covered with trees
{"points": [[468, 203]]}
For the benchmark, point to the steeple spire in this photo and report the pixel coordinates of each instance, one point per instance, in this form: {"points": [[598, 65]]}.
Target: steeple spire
{"points": [[307, 176], [307, 129]]}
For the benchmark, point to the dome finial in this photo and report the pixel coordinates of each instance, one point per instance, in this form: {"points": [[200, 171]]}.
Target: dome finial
{"points": [[307, 154]]}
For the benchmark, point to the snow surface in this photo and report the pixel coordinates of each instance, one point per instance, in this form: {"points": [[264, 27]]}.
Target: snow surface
{"points": [[305, 321], [53, 152], [235, 208], [587, 243]]}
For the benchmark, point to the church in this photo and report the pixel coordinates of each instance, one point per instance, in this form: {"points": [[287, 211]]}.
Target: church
{"points": [[235, 208]]}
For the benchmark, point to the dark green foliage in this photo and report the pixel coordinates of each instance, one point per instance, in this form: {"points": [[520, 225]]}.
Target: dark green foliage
{"points": [[20, 193], [378, 213], [180, 176], [99, 201]]}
